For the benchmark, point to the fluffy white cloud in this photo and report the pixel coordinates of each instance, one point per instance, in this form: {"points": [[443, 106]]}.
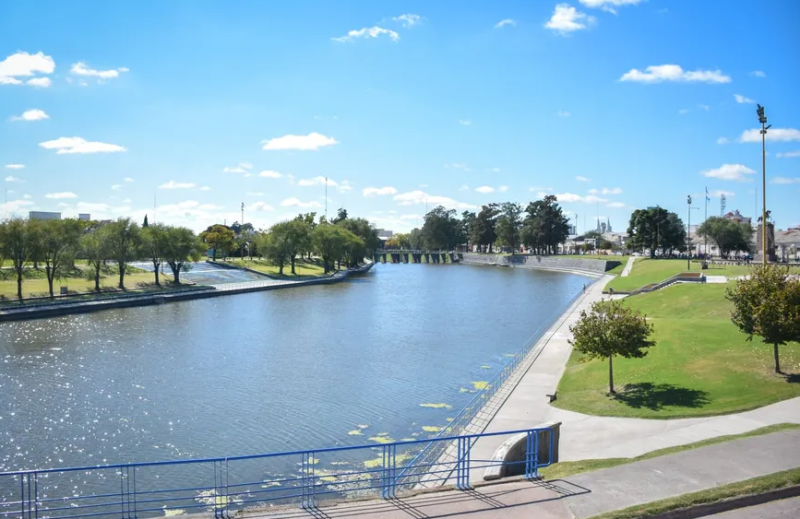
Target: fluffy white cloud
{"points": [[316, 181], [503, 23], [177, 185], [23, 64], [31, 115], [582, 179], [735, 172], [660, 73], [408, 20], [128, 179], [81, 69], [608, 5], [242, 167], [742, 99], [502, 189], [773, 134], [758, 73], [615, 204], [378, 191], [60, 196], [723, 140], [366, 33], [205, 188], [607, 191], [294, 202], [344, 186], [12, 178], [79, 145], [484, 189], [567, 19], [418, 197], [572, 197], [14, 206], [785, 180], [270, 174], [259, 206], [116, 187], [464, 122], [42, 82], [15, 166], [784, 155], [312, 141]]}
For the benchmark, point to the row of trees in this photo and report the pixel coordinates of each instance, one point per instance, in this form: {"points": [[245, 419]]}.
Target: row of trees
{"points": [[656, 228], [57, 243], [541, 226], [729, 235]]}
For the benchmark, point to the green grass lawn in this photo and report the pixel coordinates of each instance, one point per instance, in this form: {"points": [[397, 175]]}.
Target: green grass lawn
{"points": [[302, 267], [702, 365]]}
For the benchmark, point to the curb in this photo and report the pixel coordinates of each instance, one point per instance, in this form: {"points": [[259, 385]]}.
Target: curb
{"points": [[730, 504]]}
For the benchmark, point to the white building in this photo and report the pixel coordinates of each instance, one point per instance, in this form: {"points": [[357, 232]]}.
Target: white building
{"points": [[85, 217], [43, 215]]}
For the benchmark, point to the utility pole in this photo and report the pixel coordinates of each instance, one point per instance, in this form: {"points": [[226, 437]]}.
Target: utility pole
{"points": [[688, 233], [326, 199], [762, 118], [242, 213], [705, 219]]}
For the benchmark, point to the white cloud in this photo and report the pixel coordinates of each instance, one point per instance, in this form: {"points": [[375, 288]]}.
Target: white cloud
{"points": [[563, 114], [27, 196], [270, 174], [611, 191], [259, 206], [418, 197], [464, 122], [683, 111], [758, 73], [659, 73], [31, 115], [242, 167], [503, 23], [366, 33], [784, 155], [81, 69], [177, 185], [742, 99], [582, 179], [774, 135], [457, 165], [116, 187], [785, 180], [60, 196], [735, 172], [567, 19], [205, 188], [608, 5], [408, 20], [294, 202], [502, 189], [719, 193], [723, 140], [312, 141], [316, 181], [129, 179], [14, 205], [344, 186], [42, 82], [495, 170], [539, 188], [704, 107], [15, 166], [484, 189], [79, 145], [378, 191], [12, 178], [23, 64], [254, 193], [572, 197], [464, 187], [615, 204]]}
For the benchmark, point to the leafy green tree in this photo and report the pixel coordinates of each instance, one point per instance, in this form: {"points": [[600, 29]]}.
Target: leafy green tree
{"points": [[275, 246], [145, 223], [415, 241], [17, 244], [341, 215], [94, 247], [467, 223], [544, 226], [298, 238], [309, 220], [441, 230], [331, 243], [482, 230], [767, 305], [673, 234], [649, 227], [612, 328], [509, 223], [729, 235], [154, 245], [218, 238], [58, 243], [181, 248], [124, 242], [366, 232]]}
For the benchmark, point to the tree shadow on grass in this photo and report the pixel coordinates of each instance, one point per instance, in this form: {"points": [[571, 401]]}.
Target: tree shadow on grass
{"points": [[657, 396], [792, 378]]}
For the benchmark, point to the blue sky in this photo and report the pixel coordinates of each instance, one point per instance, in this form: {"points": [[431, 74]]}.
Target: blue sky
{"points": [[610, 104]]}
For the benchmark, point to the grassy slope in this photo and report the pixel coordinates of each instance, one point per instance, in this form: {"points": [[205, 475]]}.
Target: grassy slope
{"points": [[36, 285], [303, 268], [702, 365]]}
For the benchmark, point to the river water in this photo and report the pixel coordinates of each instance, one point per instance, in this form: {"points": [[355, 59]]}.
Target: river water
{"points": [[270, 371]]}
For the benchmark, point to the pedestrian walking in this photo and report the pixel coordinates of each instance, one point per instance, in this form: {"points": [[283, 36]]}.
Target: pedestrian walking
{"points": [[584, 288]]}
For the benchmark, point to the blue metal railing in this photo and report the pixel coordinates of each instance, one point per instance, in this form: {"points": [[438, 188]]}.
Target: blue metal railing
{"points": [[227, 485]]}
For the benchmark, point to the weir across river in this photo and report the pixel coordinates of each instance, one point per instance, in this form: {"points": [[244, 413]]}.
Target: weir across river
{"points": [[417, 256]]}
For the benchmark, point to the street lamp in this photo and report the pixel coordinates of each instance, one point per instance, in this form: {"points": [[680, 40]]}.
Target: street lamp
{"points": [[688, 231], [762, 118]]}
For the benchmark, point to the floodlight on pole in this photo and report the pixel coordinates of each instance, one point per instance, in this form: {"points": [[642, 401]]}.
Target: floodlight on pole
{"points": [[688, 232], [762, 118]]}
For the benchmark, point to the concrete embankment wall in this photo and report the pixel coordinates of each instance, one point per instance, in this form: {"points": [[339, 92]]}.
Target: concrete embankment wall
{"points": [[592, 267]]}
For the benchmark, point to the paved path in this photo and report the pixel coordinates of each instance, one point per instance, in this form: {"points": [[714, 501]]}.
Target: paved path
{"points": [[628, 266], [783, 509]]}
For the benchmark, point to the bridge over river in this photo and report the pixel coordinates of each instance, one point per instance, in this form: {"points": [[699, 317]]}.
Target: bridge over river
{"points": [[417, 256]]}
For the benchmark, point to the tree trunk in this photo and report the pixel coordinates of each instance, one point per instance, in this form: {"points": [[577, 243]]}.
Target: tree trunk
{"points": [[292, 264], [122, 276], [97, 278], [156, 265], [176, 272], [280, 268], [50, 277], [19, 284], [777, 360], [611, 375]]}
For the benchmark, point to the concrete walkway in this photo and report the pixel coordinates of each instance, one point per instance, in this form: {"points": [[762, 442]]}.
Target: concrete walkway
{"points": [[628, 266]]}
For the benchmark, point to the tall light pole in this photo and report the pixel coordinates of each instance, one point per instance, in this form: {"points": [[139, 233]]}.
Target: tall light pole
{"points": [[762, 118], [688, 232]]}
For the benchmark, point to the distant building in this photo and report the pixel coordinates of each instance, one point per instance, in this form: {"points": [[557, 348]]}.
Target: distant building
{"points": [[384, 233], [84, 217], [737, 217], [43, 215], [604, 227]]}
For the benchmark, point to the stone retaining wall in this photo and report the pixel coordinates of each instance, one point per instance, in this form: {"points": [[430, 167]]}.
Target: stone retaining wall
{"points": [[540, 262]]}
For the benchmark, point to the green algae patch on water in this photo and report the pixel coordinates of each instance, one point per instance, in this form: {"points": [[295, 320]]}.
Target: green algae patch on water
{"points": [[432, 428], [479, 385], [437, 406], [381, 438], [355, 432], [398, 460], [173, 512], [408, 440], [449, 419], [362, 426]]}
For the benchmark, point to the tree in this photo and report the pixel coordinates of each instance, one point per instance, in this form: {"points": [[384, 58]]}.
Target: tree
{"points": [[483, 227], [145, 224], [544, 226], [673, 234], [341, 215], [612, 328], [415, 239], [218, 238], [366, 232], [441, 229], [768, 305], [58, 242], [274, 246], [729, 235], [467, 222], [124, 240], [509, 224], [181, 248], [646, 226], [154, 245], [287, 241], [94, 247], [17, 244], [330, 242]]}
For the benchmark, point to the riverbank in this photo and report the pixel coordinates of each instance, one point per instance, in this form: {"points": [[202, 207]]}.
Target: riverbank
{"points": [[574, 265], [40, 310]]}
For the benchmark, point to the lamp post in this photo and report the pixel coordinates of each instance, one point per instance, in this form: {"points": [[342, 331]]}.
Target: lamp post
{"points": [[688, 233], [762, 118]]}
